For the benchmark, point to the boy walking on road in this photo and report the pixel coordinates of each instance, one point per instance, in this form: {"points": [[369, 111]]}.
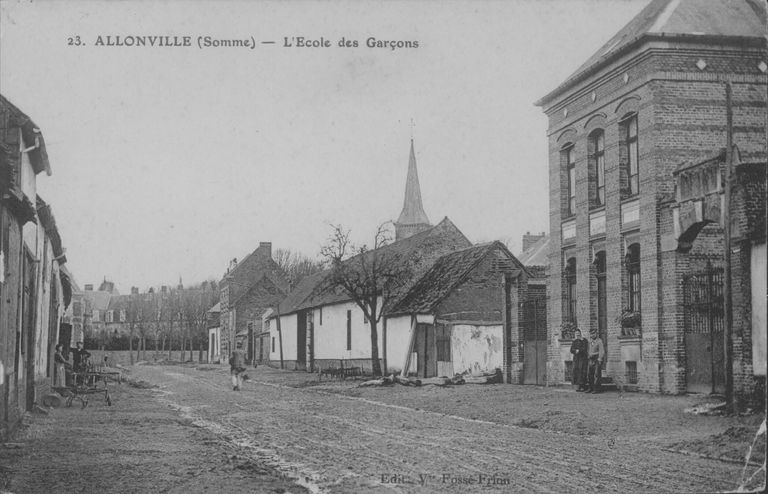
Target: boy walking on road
{"points": [[237, 366]]}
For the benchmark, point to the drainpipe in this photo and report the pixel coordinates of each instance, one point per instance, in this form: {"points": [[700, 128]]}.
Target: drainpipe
{"points": [[727, 295]]}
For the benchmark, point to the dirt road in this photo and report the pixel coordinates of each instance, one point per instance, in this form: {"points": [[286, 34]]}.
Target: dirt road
{"points": [[333, 443]]}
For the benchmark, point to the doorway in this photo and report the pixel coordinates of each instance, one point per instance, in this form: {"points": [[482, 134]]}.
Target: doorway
{"points": [[704, 323]]}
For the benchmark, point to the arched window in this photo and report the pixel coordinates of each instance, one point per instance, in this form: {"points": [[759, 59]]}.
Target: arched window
{"points": [[629, 154], [632, 262], [568, 159], [597, 167], [570, 290]]}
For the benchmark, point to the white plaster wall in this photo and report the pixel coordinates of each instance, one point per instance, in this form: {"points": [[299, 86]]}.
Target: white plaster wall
{"points": [[476, 349], [288, 328], [331, 335], [398, 341], [759, 266]]}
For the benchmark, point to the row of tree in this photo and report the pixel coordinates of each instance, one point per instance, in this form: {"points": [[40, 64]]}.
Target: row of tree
{"points": [[173, 316]]}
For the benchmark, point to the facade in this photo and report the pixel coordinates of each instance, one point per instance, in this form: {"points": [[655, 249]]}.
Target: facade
{"points": [[249, 288], [652, 100], [34, 294], [462, 315], [95, 310], [319, 328]]}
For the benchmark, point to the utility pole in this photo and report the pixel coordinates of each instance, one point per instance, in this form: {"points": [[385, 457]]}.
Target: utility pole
{"points": [[727, 288]]}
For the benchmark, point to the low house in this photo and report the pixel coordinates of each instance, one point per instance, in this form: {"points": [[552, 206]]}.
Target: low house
{"points": [[458, 318], [319, 328]]}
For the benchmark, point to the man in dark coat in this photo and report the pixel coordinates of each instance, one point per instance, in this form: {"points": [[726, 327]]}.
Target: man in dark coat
{"points": [[579, 351], [80, 357]]}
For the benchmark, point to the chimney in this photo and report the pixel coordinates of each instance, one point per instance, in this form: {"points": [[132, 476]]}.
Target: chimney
{"points": [[529, 240], [134, 290], [89, 288], [265, 249]]}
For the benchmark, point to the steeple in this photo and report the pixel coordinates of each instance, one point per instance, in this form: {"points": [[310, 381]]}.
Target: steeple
{"points": [[412, 218]]}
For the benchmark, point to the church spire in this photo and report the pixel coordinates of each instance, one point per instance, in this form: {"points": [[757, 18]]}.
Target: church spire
{"points": [[412, 218]]}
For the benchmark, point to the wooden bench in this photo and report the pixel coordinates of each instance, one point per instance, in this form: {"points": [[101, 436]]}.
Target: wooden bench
{"points": [[341, 371]]}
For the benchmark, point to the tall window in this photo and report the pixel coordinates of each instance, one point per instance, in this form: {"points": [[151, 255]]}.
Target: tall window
{"points": [[568, 157], [349, 330], [570, 290], [633, 270], [602, 313], [631, 167], [597, 165]]}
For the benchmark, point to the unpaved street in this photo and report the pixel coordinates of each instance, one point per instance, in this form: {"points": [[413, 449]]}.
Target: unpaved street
{"points": [[335, 443]]}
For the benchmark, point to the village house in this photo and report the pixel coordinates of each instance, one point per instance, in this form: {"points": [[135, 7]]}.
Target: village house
{"points": [[459, 312], [32, 290], [632, 246], [461, 316], [248, 288], [95, 334], [319, 327]]}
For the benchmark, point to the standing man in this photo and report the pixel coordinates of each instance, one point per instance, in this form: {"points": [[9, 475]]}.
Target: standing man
{"points": [[80, 357], [579, 351], [596, 360], [237, 366]]}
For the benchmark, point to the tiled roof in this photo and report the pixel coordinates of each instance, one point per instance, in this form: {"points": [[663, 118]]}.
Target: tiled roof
{"points": [[39, 156], [445, 275], [311, 291], [670, 18], [537, 254]]}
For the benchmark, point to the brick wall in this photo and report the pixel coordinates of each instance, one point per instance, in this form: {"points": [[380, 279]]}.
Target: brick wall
{"points": [[681, 118]]}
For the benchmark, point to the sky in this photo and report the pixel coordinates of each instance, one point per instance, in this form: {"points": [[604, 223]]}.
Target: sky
{"points": [[170, 161]]}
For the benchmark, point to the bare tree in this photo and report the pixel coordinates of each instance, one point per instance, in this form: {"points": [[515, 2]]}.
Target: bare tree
{"points": [[370, 277], [296, 265], [195, 303]]}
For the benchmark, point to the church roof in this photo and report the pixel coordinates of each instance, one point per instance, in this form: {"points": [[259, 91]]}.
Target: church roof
{"points": [[690, 19], [413, 210]]}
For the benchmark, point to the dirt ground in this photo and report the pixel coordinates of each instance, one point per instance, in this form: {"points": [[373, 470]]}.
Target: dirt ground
{"points": [[287, 431], [138, 445]]}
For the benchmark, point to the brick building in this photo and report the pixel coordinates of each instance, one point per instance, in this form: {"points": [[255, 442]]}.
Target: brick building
{"points": [[249, 288], [621, 129]]}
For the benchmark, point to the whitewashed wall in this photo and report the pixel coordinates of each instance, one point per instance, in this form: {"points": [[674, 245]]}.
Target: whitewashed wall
{"points": [[398, 341], [476, 349], [331, 335], [288, 328]]}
